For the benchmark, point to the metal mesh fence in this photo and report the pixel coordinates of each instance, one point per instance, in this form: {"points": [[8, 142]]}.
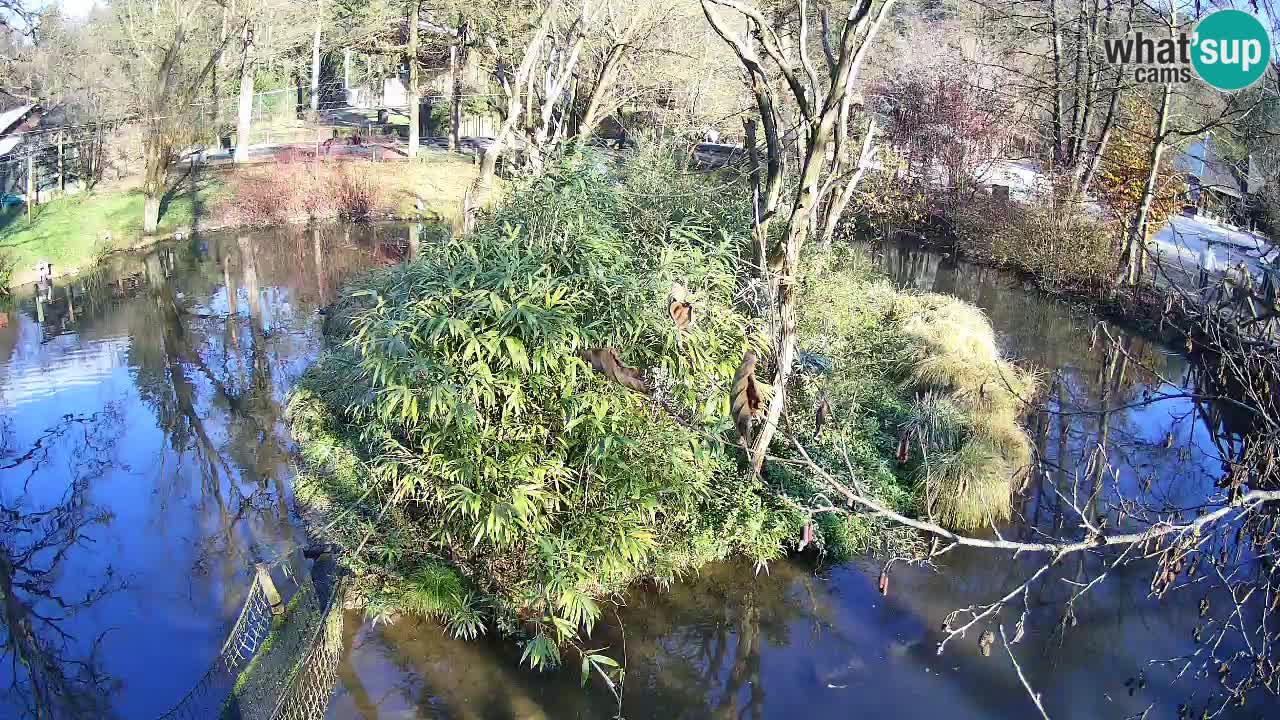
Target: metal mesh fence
{"points": [[311, 687], [273, 667], [251, 628]]}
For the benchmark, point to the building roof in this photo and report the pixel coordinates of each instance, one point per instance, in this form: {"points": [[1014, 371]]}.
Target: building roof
{"points": [[12, 117], [1210, 169]]}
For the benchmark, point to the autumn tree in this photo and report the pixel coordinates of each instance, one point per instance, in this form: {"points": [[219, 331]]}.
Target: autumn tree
{"points": [[1120, 185]]}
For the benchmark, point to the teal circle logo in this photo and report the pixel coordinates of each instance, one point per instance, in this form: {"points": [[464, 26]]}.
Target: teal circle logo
{"points": [[1232, 49]]}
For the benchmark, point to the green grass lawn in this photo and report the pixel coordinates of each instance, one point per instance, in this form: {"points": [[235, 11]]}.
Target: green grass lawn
{"points": [[69, 231]]}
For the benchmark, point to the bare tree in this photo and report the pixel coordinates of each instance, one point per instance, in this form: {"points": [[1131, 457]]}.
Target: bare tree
{"points": [[818, 102], [172, 48], [244, 117], [513, 78], [315, 57]]}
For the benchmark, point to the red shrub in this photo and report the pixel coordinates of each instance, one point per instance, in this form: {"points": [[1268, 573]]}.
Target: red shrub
{"points": [[274, 193]]}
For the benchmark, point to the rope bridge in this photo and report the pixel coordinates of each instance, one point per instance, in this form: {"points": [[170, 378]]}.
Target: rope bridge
{"points": [[279, 662]]}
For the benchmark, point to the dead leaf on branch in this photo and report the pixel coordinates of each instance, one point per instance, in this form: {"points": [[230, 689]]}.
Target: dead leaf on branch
{"points": [[823, 413], [605, 361], [985, 641], [744, 397], [679, 308]]}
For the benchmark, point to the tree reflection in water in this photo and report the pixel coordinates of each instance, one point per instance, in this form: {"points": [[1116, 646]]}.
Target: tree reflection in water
{"points": [[54, 673], [196, 345], [692, 651]]}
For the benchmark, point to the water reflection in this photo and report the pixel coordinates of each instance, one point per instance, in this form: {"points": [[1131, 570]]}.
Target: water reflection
{"points": [[62, 674], [144, 466], [733, 644], [144, 463]]}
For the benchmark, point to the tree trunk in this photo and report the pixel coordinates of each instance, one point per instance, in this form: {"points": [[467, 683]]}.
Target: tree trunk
{"points": [[788, 266], [155, 159], [244, 121], [31, 183], [414, 110], [457, 62], [841, 200], [315, 58], [150, 213], [1058, 103], [759, 231], [1135, 250], [489, 164], [1095, 158], [608, 73], [1078, 95], [1134, 258]]}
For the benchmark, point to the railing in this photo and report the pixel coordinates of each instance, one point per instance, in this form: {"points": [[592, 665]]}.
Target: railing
{"points": [[311, 685]]}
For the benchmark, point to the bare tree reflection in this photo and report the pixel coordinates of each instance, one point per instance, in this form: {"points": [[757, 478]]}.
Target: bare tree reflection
{"points": [[54, 674]]}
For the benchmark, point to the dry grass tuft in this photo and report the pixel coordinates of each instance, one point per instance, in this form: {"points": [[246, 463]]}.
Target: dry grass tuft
{"points": [[967, 413], [926, 368]]}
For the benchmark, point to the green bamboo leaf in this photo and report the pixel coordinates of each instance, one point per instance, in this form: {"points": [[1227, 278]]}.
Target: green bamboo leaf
{"points": [[515, 349]]}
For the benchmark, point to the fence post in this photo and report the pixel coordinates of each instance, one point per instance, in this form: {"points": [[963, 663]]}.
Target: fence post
{"points": [[62, 175], [269, 588], [31, 182]]}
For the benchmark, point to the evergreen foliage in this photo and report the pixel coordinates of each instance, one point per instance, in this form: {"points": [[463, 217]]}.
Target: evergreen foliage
{"points": [[516, 426], [458, 416]]}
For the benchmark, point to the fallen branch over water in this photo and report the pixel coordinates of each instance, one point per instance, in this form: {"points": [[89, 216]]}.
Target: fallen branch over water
{"points": [[1247, 503]]}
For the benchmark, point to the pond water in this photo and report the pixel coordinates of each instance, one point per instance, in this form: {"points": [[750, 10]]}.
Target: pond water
{"points": [[144, 469]]}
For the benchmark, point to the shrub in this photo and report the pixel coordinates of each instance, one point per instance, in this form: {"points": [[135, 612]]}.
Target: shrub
{"points": [[458, 425], [886, 201], [7, 265], [275, 193], [1072, 249], [920, 373], [353, 194]]}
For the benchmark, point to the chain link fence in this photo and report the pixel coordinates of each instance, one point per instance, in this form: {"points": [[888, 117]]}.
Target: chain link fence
{"points": [[311, 686]]}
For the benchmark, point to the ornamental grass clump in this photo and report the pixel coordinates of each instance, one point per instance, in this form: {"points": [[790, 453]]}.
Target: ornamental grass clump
{"points": [[482, 435], [918, 403], [965, 418]]}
